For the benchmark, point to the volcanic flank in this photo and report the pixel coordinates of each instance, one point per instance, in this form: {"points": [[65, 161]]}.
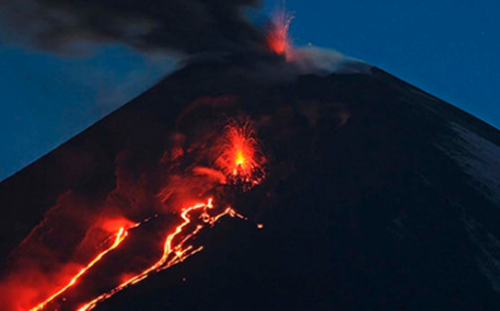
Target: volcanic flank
{"points": [[257, 180]]}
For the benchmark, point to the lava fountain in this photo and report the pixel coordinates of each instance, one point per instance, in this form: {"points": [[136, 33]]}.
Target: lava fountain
{"points": [[240, 156], [278, 39], [237, 159]]}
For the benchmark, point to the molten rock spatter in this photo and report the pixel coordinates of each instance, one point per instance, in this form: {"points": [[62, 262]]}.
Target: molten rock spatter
{"points": [[238, 166], [278, 39], [240, 155]]}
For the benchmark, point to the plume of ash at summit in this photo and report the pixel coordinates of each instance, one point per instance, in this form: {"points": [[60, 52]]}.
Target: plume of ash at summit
{"points": [[200, 30], [188, 26]]}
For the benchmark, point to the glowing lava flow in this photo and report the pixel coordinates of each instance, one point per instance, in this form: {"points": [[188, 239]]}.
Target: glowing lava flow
{"points": [[240, 157], [173, 253], [119, 237], [278, 39], [238, 162]]}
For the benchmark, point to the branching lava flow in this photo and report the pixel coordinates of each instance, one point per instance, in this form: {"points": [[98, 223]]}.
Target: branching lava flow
{"points": [[237, 163]]}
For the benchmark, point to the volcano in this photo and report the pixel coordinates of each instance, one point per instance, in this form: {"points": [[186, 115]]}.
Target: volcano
{"points": [[369, 194]]}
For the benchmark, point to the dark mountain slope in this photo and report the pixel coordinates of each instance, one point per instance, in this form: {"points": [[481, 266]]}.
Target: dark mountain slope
{"points": [[378, 196]]}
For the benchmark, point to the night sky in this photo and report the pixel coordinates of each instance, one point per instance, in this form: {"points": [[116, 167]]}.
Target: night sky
{"points": [[447, 48]]}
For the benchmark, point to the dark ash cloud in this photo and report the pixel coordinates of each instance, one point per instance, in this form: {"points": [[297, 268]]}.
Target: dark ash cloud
{"points": [[189, 26]]}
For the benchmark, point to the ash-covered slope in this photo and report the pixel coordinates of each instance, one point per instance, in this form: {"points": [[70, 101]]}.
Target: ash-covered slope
{"points": [[378, 196]]}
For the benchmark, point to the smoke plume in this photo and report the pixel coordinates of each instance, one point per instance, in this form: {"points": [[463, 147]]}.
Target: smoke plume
{"points": [[189, 26]]}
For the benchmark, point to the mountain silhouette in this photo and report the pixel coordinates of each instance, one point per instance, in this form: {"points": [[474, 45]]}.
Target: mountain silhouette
{"points": [[377, 196]]}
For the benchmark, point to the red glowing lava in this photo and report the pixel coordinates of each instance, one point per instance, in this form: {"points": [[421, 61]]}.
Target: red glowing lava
{"points": [[278, 39], [175, 250], [119, 237], [240, 157], [237, 161]]}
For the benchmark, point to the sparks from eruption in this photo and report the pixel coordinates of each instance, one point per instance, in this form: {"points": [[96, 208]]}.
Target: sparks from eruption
{"points": [[173, 253], [119, 237], [278, 39], [240, 157], [239, 161]]}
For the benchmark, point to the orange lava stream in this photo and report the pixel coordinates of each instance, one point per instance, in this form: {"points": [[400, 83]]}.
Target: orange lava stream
{"points": [[178, 250], [238, 161], [119, 237]]}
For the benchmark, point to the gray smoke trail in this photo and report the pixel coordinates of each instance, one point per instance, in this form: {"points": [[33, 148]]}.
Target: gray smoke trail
{"points": [[189, 26]]}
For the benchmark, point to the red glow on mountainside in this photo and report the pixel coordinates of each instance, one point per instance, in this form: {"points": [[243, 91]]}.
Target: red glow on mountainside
{"points": [[233, 160], [176, 248], [119, 237]]}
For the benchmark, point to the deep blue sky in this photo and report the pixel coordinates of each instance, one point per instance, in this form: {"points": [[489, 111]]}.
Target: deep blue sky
{"points": [[447, 48]]}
